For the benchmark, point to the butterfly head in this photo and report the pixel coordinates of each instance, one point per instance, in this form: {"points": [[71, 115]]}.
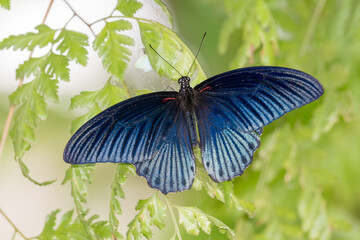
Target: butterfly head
{"points": [[184, 82]]}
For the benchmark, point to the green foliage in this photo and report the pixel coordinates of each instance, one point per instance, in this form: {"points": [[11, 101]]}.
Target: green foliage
{"points": [[168, 44], [43, 37], [95, 101], [5, 4], [79, 176], [128, 7], [166, 10], [151, 213], [193, 219], [70, 228], [254, 21], [116, 194], [73, 44], [110, 46]]}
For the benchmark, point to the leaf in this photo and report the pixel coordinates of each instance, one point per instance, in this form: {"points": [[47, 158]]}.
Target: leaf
{"points": [[25, 171], [5, 4], [69, 228], [31, 98], [128, 7], [79, 176], [222, 192], [122, 172], [313, 213], [43, 37], [110, 46], [193, 219], [96, 101], [231, 200], [57, 66], [73, 44], [151, 212], [169, 46], [166, 11]]}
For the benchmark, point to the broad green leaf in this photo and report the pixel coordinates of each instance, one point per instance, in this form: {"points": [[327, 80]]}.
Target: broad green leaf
{"points": [[5, 4], [111, 47], [43, 37], [169, 46], [128, 7], [193, 219], [151, 212], [73, 44], [166, 11]]}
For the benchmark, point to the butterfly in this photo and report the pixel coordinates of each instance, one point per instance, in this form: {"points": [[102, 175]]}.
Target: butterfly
{"points": [[223, 115]]}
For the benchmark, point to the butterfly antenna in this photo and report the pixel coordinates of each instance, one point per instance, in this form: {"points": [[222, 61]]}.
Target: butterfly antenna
{"points": [[165, 60], [202, 40]]}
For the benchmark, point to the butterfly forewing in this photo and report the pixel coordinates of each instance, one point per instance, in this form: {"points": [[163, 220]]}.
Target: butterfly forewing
{"points": [[250, 98], [128, 132]]}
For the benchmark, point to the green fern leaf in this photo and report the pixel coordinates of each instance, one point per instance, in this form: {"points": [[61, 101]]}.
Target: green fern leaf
{"points": [[96, 101], [43, 37], [110, 46], [128, 7], [193, 219], [73, 44], [151, 212], [71, 229], [121, 175]]}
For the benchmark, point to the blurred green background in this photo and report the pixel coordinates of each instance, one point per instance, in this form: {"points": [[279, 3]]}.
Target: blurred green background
{"points": [[305, 178]]}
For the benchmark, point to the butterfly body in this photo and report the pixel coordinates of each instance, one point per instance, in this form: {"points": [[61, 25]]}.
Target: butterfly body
{"points": [[224, 115]]}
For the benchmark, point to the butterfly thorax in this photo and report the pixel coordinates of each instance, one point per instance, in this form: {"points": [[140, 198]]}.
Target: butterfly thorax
{"points": [[186, 97], [185, 93]]}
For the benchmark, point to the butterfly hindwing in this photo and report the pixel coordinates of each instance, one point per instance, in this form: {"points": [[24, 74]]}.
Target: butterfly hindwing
{"points": [[173, 168], [128, 132], [250, 98], [225, 151]]}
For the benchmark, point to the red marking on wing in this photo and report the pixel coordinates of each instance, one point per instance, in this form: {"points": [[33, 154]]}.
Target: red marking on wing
{"points": [[206, 88], [168, 99]]}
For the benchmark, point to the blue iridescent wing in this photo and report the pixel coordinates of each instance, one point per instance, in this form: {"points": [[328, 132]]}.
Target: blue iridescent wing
{"points": [[128, 132], [172, 169], [226, 152], [250, 98]]}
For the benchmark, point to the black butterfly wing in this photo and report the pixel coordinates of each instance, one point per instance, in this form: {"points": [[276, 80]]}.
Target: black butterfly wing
{"points": [[128, 132], [172, 169], [250, 98]]}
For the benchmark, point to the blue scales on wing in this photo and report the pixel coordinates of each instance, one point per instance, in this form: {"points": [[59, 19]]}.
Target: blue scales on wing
{"points": [[226, 152], [250, 98], [172, 169], [128, 132]]}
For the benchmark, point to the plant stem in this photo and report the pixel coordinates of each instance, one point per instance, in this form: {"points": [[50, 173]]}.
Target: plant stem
{"points": [[177, 230], [12, 108], [76, 14], [12, 224]]}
